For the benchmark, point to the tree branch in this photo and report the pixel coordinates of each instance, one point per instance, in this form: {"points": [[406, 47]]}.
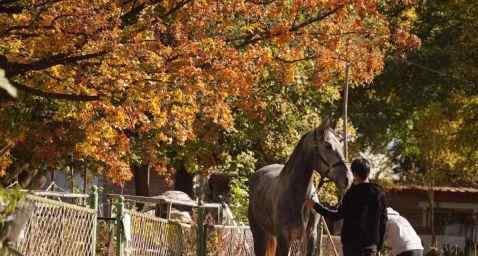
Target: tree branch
{"points": [[54, 95], [11, 7], [6, 148], [253, 38], [132, 15], [295, 60], [14, 69], [261, 2], [319, 17], [176, 8]]}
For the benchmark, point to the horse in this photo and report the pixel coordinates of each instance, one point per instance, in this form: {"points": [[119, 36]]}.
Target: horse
{"points": [[277, 193]]}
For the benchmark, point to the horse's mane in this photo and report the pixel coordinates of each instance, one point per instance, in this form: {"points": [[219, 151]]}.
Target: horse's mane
{"points": [[296, 160]]}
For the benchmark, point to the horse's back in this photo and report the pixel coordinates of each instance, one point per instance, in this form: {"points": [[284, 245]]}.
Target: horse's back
{"points": [[265, 174], [272, 170]]}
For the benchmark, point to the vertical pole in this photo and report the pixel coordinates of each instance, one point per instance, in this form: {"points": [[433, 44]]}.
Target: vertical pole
{"points": [[201, 227], [320, 244], [94, 206], [120, 243], [72, 180], [346, 99], [432, 216], [85, 179], [170, 208], [220, 215], [475, 247], [52, 177]]}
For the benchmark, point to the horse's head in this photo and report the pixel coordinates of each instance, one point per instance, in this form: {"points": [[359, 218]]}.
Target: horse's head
{"points": [[326, 156]]}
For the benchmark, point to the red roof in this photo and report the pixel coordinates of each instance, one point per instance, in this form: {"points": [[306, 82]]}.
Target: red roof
{"points": [[414, 188]]}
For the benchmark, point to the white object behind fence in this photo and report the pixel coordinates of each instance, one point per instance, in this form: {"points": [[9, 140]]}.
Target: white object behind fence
{"points": [[56, 228]]}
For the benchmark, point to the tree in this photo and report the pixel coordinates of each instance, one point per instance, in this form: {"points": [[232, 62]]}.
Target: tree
{"points": [[424, 107], [156, 83]]}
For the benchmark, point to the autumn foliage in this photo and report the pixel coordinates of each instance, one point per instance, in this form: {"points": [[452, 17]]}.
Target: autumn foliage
{"points": [[120, 82]]}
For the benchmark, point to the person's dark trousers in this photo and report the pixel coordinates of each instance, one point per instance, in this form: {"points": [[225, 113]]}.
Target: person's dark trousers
{"points": [[412, 253], [360, 252]]}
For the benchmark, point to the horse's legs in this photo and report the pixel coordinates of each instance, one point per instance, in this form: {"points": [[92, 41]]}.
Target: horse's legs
{"points": [[271, 245], [283, 246], [312, 234], [311, 243], [260, 238]]}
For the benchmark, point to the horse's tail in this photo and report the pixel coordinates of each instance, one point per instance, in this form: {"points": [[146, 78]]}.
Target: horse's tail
{"points": [[252, 183]]}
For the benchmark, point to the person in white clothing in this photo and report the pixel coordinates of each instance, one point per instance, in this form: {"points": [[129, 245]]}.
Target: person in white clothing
{"points": [[401, 236]]}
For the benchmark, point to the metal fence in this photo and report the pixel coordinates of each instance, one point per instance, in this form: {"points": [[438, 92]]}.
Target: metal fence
{"points": [[55, 227], [49, 227], [152, 236], [229, 240], [144, 234]]}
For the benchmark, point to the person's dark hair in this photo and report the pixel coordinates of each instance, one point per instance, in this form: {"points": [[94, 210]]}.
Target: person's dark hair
{"points": [[361, 168]]}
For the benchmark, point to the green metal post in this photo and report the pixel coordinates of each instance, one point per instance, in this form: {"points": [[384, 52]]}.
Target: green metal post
{"points": [[201, 228], [94, 205], [120, 239], [320, 243], [201, 236]]}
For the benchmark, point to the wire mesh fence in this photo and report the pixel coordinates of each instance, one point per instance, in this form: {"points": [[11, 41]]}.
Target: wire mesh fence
{"points": [[328, 244], [106, 238], [152, 236], [55, 228], [229, 241], [237, 240], [297, 248]]}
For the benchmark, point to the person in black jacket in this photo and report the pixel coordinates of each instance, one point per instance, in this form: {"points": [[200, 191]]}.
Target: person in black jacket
{"points": [[363, 210]]}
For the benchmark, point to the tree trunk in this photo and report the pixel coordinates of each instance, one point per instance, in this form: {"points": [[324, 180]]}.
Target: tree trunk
{"points": [[141, 181], [431, 197], [183, 181]]}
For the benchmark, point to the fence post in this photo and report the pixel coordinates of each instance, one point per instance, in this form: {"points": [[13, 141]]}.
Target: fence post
{"points": [[120, 243], [94, 205], [200, 232], [201, 247], [320, 243]]}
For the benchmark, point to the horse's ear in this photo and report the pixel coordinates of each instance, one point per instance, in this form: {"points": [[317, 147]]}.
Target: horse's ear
{"points": [[325, 124], [333, 124], [320, 131]]}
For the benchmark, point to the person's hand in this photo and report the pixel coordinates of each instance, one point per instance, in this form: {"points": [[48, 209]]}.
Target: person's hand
{"points": [[309, 203]]}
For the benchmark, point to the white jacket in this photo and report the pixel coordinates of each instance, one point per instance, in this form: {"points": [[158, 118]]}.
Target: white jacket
{"points": [[399, 234]]}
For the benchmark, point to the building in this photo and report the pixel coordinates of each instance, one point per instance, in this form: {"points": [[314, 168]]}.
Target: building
{"points": [[454, 218]]}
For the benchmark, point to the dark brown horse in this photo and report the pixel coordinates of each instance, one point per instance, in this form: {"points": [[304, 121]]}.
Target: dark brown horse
{"points": [[277, 193]]}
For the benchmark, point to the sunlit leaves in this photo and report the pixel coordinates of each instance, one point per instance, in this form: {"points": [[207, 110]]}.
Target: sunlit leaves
{"points": [[170, 76]]}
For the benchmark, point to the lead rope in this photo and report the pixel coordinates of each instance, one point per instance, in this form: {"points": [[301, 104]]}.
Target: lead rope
{"points": [[322, 219], [329, 235]]}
